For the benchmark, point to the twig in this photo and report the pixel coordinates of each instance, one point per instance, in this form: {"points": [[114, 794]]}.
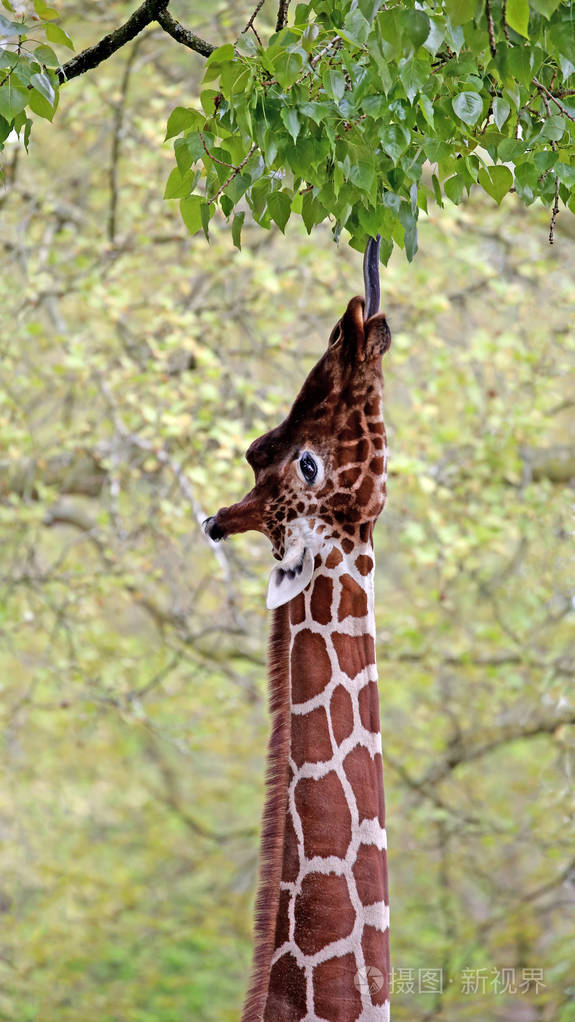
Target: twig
{"points": [[282, 14], [504, 22], [490, 28], [546, 93], [174, 466], [112, 42], [234, 174], [554, 212], [183, 35], [222, 163], [250, 23], [119, 111]]}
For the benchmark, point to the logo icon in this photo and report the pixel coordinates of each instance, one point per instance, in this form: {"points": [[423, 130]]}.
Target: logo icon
{"points": [[368, 979]]}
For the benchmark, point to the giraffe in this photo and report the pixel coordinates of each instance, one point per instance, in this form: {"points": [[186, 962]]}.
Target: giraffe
{"points": [[322, 909]]}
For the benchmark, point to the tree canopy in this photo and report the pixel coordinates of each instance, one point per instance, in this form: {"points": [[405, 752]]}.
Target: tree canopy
{"points": [[354, 111], [137, 364]]}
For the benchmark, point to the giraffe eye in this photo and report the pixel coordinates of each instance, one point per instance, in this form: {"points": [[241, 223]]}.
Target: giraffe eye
{"points": [[308, 467]]}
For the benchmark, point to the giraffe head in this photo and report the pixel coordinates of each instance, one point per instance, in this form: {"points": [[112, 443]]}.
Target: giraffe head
{"points": [[320, 474]]}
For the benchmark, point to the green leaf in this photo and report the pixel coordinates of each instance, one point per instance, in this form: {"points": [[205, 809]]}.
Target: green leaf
{"points": [[43, 11], [566, 174], [287, 68], [237, 225], [43, 83], [221, 55], [454, 188], [554, 128], [41, 106], [395, 140], [468, 106], [501, 111], [437, 190], [181, 119], [206, 213], [312, 211], [291, 120], [187, 150], [414, 76], [545, 7], [13, 98], [178, 185], [510, 150], [190, 209], [426, 107], [460, 11], [363, 174], [12, 28], [415, 26], [279, 206], [336, 81], [45, 55], [57, 35], [517, 16], [226, 204], [238, 186], [355, 28], [496, 181]]}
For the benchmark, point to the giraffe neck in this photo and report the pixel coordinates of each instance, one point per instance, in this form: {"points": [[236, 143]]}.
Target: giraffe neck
{"points": [[323, 951]]}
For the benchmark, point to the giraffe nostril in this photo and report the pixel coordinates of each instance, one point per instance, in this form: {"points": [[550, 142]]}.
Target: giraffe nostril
{"points": [[213, 530]]}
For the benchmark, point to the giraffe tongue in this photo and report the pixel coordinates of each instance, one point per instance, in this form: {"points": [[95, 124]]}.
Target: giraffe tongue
{"points": [[289, 579]]}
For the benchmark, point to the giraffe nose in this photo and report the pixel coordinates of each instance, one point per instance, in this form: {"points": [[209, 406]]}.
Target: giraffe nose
{"points": [[212, 529]]}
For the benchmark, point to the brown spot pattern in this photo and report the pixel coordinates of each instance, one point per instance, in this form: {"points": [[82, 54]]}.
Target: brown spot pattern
{"points": [[291, 858], [365, 490], [310, 665], [323, 912], [321, 597], [349, 476], [310, 741], [341, 712], [361, 773], [369, 706], [333, 558], [325, 816], [297, 609], [282, 927], [364, 564], [375, 947], [368, 872], [378, 763], [354, 652], [334, 990], [286, 992], [353, 599]]}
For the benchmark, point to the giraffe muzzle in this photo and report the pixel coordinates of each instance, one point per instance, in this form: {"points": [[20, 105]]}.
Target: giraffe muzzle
{"points": [[213, 530], [244, 516]]}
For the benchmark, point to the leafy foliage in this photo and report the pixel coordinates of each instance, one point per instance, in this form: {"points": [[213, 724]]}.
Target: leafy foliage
{"points": [[28, 79], [340, 114], [137, 364], [357, 112]]}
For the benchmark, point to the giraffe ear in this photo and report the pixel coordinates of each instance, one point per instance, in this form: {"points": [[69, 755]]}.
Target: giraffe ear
{"points": [[285, 583]]}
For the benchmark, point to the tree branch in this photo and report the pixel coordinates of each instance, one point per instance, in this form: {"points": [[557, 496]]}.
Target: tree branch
{"points": [[546, 93], [94, 55], [183, 35], [470, 747], [282, 14]]}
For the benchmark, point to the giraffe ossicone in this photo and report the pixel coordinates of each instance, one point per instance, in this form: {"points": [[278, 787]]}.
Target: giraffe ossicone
{"points": [[322, 910]]}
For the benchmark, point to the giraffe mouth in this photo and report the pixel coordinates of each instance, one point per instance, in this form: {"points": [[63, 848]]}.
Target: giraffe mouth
{"points": [[289, 578]]}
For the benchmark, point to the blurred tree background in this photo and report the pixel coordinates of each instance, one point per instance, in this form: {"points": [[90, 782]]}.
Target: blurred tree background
{"points": [[137, 365]]}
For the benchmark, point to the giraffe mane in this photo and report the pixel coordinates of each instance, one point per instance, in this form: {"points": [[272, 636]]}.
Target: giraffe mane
{"points": [[274, 817]]}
